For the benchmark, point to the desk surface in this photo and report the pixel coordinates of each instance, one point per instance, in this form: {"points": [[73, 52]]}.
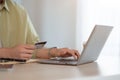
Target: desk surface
{"points": [[35, 71]]}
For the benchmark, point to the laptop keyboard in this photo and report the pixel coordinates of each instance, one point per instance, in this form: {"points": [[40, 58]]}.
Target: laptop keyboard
{"points": [[59, 61]]}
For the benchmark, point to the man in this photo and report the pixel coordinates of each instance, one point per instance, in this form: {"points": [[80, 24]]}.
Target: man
{"points": [[18, 35]]}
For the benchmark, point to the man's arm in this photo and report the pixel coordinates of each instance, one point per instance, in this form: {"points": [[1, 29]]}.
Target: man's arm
{"points": [[4, 52], [56, 52]]}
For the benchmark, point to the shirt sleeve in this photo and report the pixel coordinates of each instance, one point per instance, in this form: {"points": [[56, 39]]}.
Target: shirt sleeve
{"points": [[31, 37]]}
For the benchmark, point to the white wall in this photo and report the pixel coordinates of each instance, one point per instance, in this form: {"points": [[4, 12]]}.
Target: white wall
{"points": [[103, 12], [54, 20]]}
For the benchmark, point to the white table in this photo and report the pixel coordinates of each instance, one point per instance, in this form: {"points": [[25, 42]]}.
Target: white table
{"points": [[102, 68]]}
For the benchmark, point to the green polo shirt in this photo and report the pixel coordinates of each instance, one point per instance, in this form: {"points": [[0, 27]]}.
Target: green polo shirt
{"points": [[15, 25]]}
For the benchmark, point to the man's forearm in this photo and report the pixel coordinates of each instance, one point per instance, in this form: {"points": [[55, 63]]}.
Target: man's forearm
{"points": [[46, 53]]}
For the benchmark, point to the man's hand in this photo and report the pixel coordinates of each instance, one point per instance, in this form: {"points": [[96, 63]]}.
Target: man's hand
{"points": [[22, 52], [65, 52]]}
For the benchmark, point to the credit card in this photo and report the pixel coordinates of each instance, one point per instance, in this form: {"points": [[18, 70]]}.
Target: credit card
{"points": [[39, 45]]}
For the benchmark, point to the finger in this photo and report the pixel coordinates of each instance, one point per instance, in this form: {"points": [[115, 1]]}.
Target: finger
{"points": [[77, 53], [27, 51], [73, 54], [31, 47], [26, 56], [66, 55], [69, 54]]}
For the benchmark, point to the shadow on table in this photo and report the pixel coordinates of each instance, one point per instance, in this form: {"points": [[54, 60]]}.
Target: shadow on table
{"points": [[90, 69]]}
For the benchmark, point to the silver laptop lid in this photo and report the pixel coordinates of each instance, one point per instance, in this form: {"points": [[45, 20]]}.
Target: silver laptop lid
{"points": [[95, 43]]}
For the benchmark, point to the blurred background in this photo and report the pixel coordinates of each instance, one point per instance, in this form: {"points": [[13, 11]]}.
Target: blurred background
{"points": [[68, 23]]}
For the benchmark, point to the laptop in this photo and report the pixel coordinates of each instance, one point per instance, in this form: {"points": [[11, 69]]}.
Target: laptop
{"points": [[92, 49]]}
